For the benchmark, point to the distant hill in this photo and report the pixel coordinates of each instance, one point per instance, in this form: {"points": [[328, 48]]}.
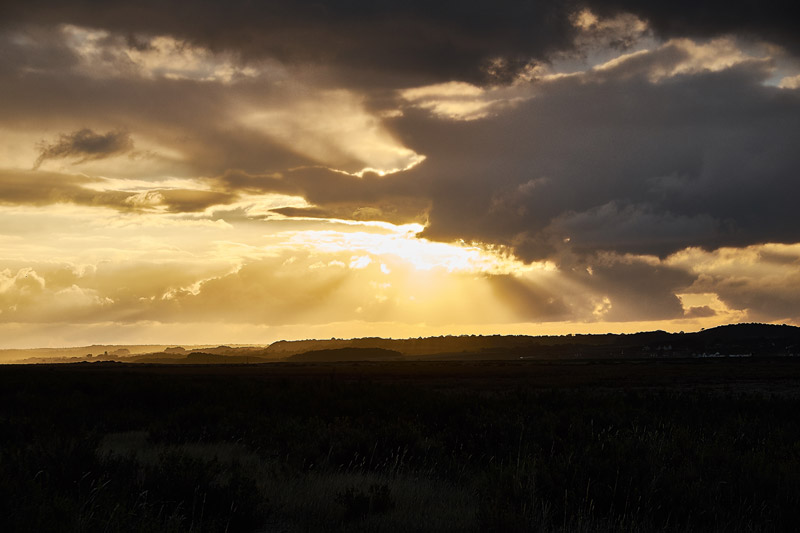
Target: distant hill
{"points": [[438, 345], [738, 332], [732, 340], [346, 354], [751, 340], [95, 352]]}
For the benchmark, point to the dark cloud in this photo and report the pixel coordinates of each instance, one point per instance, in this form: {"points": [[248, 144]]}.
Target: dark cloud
{"points": [[404, 41], [642, 228], [613, 160], [36, 49], [702, 311], [769, 20], [85, 145], [635, 290], [423, 40], [606, 160]]}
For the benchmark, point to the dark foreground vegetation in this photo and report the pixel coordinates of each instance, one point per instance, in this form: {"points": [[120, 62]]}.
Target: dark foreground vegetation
{"points": [[688, 445]]}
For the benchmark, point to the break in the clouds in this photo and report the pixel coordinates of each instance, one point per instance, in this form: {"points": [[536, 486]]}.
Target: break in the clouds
{"points": [[396, 168]]}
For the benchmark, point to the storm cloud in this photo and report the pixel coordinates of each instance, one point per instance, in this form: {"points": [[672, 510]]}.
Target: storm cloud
{"points": [[607, 160], [613, 160], [399, 41]]}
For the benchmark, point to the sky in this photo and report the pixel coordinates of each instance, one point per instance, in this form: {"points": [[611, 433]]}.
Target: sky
{"points": [[242, 172]]}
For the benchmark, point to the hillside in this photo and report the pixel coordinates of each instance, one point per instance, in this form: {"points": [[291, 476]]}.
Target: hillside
{"points": [[735, 339]]}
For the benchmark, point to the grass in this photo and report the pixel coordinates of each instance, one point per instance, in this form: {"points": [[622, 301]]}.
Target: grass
{"points": [[125, 451]]}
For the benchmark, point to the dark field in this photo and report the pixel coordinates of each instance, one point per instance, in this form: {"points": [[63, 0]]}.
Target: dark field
{"points": [[633, 445]]}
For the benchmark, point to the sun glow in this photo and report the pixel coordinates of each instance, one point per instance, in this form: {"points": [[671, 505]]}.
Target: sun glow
{"points": [[403, 242]]}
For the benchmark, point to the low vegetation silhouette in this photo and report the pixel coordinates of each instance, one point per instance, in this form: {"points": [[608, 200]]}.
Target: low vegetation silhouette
{"points": [[660, 444]]}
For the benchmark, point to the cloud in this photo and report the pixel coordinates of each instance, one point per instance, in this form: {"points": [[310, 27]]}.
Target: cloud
{"points": [[624, 160], [406, 41], [631, 156], [39, 188], [43, 188], [395, 211], [761, 280], [390, 40], [632, 228], [790, 82], [182, 127], [396, 198], [333, 128], [188, 119], [768, 20], [100, 54], [633, 289], [702, 311], [85, 145], [461, 101], [187, 200], [26, 295]]}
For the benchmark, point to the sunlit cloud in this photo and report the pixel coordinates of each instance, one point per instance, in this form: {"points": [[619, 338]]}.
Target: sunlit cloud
{"points": [[621, 24], [790, 82], [263, 205], [335, 129], [709, 308], [103, 54], [760, 282], [462, 101], [684, 56]]}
